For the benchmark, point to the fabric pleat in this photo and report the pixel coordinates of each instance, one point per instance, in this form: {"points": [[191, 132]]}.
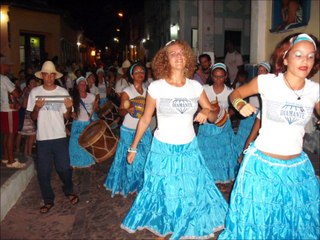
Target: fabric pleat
{"points": [[216, 146], [274, 199], [243, 133], [124, 178], [79, 157], [179, 195]]}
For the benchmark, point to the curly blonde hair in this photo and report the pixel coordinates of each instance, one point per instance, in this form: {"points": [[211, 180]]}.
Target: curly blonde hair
{"points": [[160, 63]]}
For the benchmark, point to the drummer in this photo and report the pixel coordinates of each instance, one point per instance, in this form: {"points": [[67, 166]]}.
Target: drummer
{"points": [[84, 104], [124, 178]]}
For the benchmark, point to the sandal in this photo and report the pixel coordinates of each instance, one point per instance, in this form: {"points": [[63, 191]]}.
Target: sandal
{"points": [[46, 208], [74, 199]]}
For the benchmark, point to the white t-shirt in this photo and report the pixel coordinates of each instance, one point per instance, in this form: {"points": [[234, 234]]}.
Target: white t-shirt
{"points": [[102, 90], [121, 84], [6, 87], [129, 121], [94, 90], [254, 101], [233, 60], [88, 102], [176, 107], [284, 116], [222, 97], [50, 118]]}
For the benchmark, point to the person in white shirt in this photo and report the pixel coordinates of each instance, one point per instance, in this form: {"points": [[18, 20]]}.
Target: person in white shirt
{"points": [[122, 82], [255, 100], [233, 60], [102, 86], [85, 104], [9, 114], [179, 196], [215, 140], [49, 105], [124, 178], [276, 194]]}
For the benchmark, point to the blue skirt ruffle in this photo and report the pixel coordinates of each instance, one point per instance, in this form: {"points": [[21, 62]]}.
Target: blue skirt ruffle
{"points": [[243, 133], [79, 157], [215, 144], [124, 178], [274, 199], [179, 195]]}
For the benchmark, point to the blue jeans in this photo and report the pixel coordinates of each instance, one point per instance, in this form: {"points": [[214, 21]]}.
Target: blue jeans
{"points": [[55, 152]]}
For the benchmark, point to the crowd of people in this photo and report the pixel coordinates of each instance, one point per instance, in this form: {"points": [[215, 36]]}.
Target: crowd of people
{"points": [[179, 170]]}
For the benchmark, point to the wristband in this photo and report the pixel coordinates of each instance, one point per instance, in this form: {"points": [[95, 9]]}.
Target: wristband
{"points": [[222, 119], [236, 101], [131, 149]]}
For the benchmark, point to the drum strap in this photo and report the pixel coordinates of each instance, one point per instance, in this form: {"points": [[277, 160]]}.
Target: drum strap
{"points": [[89, 115]]}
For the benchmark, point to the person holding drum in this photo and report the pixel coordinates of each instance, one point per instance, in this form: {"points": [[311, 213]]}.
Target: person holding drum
{"points": [[84, 104], [215, 140], [49, 105], [179, 196], [102, 86], [124, 178]]}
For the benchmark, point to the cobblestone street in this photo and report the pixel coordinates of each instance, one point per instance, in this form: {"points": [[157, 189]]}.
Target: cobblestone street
{"points": [[97, 216]]}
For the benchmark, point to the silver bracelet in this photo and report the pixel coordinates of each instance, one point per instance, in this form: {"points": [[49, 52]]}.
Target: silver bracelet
{"points": [[131, 149]]}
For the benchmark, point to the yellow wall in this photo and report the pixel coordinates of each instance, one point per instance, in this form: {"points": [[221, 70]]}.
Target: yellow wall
{"points": [[272, 39]]}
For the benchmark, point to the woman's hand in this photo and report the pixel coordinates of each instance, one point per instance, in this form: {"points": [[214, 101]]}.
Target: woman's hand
{"points": [[202, 116], [247, 110], [130, 157]]}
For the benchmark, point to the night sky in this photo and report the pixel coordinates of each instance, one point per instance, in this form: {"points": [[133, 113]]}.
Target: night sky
{"points": [[98, 18]]}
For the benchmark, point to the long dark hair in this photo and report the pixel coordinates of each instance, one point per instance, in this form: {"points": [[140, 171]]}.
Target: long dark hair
{"points": [[76, 98]]}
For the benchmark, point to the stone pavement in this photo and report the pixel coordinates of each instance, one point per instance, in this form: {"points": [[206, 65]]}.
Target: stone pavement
{"points": [[97, 216]]}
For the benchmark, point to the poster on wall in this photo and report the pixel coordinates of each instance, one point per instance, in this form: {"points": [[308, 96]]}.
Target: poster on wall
{"points": [[289, 14]]}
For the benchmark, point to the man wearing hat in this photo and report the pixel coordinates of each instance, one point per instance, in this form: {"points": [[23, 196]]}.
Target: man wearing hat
{"points": [[49, 105], [122, 82], [9, 115]]}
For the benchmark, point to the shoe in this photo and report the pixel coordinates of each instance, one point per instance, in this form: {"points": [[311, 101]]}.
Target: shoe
{"points": [[16, 164], [5, 161], [46, 208], [74, 199]]}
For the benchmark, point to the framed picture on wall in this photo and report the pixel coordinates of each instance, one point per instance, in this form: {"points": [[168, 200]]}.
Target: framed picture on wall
{"points": [[289, 14]]}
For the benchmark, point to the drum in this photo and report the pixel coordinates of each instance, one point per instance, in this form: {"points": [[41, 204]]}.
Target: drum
{"points": [[109, 112], [99, 140], [138, 104]]}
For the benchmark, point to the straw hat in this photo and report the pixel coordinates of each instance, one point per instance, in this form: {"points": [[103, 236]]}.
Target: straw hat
{"points": [[125, 64], [48, 67]]}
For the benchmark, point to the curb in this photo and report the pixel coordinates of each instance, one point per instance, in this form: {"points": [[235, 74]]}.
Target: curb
{"points": [[12, 189]]}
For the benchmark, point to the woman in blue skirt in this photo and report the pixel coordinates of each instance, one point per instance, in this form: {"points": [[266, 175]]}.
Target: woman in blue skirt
{"points": [[124, 178], [215, 140], [85, 104], [179, 196], [276, 194]]}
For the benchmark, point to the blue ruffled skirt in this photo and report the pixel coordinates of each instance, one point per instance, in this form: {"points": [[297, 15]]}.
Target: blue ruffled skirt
{"points": [[79, 157], [179, 195], [243, 133], [274, 199], [215, 144], [124, 178]]}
